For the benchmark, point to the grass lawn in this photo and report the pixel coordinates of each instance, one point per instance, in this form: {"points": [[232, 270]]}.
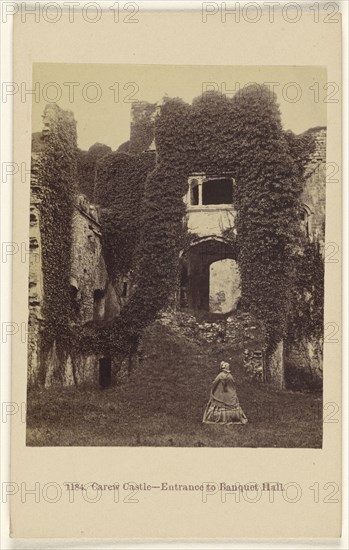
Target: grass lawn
{"points": [[163, 403]]}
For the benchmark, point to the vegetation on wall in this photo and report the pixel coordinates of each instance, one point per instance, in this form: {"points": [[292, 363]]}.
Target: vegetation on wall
{"points": [[216, 135], [120, 184], [142, 127], [161, 220], [142, 211], [306, 315], [269, 176], [210, 140], [57, 181], [305, 320], [157, 227], [87, 161], [244, 137]]}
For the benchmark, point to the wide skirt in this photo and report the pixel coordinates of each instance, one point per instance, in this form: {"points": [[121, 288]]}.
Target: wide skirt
{"points": [[218, 413]]}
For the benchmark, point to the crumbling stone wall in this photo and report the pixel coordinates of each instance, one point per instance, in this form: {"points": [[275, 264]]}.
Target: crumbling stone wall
{"points": [[54, 359], [88, 274], [240, 330], [254, 364], [304, 355], [314, 193], [88, 271], [92, 295], [36, 283]]}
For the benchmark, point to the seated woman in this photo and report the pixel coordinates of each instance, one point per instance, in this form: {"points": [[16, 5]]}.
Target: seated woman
{"points": [[223, 406]]}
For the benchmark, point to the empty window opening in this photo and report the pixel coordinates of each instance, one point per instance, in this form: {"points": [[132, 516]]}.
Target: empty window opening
{"points": [[217, 191], [304, 217], [105, 372], [125, 289], [98, 305], [74, 303], [33, 243]]}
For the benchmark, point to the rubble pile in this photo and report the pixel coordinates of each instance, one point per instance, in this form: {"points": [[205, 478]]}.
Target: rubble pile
{"points": [[239, 329]]}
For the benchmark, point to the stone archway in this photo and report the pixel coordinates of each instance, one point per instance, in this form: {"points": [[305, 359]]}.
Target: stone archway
{"points": [[210, 278]]}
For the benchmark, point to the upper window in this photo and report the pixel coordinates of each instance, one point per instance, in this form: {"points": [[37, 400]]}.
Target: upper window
{"points": [[210, 191], [217, 191]]}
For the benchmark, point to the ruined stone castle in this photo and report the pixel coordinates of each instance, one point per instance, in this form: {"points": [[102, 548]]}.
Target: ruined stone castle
{"points": [[210, 277], [210, 273]]}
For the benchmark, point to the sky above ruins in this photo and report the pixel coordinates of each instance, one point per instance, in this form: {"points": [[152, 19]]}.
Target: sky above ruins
{"points": [[101, 96]]}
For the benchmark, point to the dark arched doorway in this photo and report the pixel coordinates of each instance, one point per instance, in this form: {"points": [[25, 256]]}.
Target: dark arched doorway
{"points": [[210, 277]]}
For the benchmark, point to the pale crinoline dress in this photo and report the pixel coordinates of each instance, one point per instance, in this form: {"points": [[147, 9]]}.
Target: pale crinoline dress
{"points": [[223, 406]]}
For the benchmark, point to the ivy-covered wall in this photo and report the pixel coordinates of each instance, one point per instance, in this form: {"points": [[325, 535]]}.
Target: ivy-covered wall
{"points": [[36, 282], [140, 194], [314, 189], [86, 167], [161, 219], [53, 186], [142, 126], [269, 177], [66, 262], [58, 176], [242, 136], [120, 185], [141, 197]]}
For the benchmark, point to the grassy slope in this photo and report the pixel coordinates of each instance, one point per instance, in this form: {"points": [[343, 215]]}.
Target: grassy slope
{"points": [[163, 403]]}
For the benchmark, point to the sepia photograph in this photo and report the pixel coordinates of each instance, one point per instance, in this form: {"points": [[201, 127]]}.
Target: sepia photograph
{"points": [[177, 238], [175, 255]]}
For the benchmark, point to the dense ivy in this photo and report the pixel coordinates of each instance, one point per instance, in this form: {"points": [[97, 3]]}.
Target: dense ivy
{"points": [[210, 139], [142, 127], [120, 183], [267, 199], [57, 182], [155, 233], [243, 137], [306, 314], [142, 212], [162, 215], [162, 230], [87, 168]]}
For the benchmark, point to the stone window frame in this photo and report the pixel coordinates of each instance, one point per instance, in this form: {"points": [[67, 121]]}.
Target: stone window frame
{"points": [[198, 179]]}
